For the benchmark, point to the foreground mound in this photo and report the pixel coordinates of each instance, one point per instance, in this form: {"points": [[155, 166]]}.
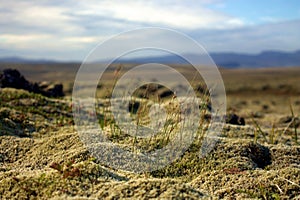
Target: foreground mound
{"points": [[42, 157]]}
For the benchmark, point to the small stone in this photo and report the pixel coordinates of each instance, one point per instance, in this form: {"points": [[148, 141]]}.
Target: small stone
{"points": [[235, 120], [54, 90]]}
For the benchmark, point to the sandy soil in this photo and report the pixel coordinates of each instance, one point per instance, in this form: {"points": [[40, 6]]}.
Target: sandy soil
{"points": [[42, 156]]}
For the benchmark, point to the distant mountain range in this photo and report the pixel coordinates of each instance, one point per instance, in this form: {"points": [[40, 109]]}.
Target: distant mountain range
{"points": [[226, 60], [16, 59], [264, 59], [233, 60]]}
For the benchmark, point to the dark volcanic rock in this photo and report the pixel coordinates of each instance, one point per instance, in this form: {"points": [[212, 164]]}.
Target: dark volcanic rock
{"points": [[54, 90], [234, 119], [12, 78], [294, 121], [259, 154], [166, 94], [133, 107]]}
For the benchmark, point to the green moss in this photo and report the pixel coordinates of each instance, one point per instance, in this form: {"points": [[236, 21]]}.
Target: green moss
{"points": [[22, 113], [42, 157]]}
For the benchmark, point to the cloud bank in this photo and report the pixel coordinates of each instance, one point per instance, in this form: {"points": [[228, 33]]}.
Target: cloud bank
{"points": [[68, 30]]}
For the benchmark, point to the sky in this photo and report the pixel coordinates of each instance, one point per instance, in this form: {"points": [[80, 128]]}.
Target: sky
{"points": [[70, 29]]}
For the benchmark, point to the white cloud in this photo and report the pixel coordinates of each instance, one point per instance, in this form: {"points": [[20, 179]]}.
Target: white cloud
{"points": [[166, 13], [269, 19], [52, 25], [21, 41], [83, 39], [47, 42], [252, 39], [37, 17], [71, 28]]}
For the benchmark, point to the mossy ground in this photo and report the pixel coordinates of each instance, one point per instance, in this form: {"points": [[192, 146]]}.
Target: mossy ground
{"points": [[42, 157]]}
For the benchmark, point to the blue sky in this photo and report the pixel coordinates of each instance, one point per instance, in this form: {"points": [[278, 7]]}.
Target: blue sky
{"points": [[70, 29], [258, 11]]}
